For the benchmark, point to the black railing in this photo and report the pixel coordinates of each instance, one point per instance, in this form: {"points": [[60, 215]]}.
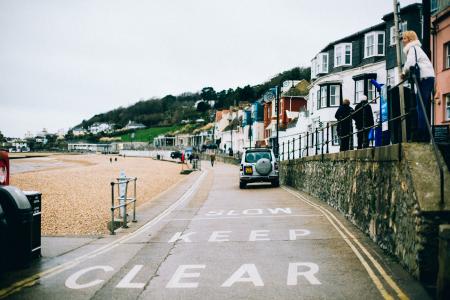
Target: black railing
{"points": [[311, 139]]}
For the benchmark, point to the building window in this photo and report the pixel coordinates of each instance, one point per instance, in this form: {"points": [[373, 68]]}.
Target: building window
{"points": [[342, 55], [447, 55], [434, 6], [334, 136], [371, 94], [321, 63], [390, 80], [374, 44], [334, 95], [323, 96], [393, 37], [359, 90], [447, 101], [313, 69], [318, 100]]}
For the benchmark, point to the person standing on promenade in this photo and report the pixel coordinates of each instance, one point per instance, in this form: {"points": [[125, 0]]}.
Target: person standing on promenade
{"points": [[363, 117], [417, 61], [212, 158], [345, 126]]}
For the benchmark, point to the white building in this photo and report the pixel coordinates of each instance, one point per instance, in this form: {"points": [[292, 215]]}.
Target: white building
{"points": [[100, 127]]}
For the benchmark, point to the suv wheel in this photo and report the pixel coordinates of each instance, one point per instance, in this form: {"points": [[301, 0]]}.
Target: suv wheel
{"points": [[242, 185]]}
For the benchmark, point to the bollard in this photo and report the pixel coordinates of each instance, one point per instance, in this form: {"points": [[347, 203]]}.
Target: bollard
{"points": [[443, 279], [122, 191]]}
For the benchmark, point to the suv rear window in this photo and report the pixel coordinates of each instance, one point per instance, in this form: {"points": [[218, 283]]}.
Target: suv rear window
{"points": [[253, 157]]}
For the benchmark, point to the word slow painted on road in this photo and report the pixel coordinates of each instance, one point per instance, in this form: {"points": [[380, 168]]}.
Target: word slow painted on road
{"points": [[189, 276], [225, 235], [249, 212]]}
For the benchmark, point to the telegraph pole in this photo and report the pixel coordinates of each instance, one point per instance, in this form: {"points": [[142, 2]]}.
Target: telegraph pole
{"points": [[399, 66], [278, 120]]}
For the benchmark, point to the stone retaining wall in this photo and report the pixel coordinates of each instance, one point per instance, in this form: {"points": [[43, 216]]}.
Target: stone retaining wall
{"points": [[391, 193]]}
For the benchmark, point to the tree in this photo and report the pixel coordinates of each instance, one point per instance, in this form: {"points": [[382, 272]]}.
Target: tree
{"points": [[203, 106], [208, 93], [2, 137]]}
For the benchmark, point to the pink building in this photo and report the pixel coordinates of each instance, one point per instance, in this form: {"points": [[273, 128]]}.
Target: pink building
{"points": [[440, 47]]}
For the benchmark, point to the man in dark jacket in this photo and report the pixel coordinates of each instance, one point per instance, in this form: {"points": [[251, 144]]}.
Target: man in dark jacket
{"points": [[345, 126], [363, 120]]}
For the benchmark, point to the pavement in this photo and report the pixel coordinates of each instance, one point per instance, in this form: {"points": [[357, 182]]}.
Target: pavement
{"points": [[207, 239]]}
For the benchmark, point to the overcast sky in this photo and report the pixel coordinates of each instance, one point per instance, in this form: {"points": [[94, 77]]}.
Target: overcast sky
{"points": [[64, 61]]}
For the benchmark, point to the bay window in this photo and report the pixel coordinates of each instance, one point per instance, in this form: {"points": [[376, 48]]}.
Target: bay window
{"points": [[330, 95], [374, 44], [342, 54], [323, 96]]}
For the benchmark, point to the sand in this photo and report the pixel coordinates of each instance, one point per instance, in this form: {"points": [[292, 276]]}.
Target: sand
{"points": [[76, 190]]}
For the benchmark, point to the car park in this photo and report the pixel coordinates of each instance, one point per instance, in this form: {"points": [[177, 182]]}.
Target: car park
{"points": [[258, 165]]}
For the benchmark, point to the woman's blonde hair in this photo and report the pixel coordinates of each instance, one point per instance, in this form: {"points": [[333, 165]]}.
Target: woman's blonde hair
{"points": [[410, 35]]}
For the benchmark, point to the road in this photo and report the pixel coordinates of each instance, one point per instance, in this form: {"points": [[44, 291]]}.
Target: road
{"points": [[207, 239]]}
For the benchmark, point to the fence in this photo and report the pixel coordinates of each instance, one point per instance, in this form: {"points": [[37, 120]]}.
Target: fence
{"points": [[123, 201], [318, 142]]}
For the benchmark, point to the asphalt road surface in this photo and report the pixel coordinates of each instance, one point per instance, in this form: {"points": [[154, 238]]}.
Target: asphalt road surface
{"points": [[207, 239]]}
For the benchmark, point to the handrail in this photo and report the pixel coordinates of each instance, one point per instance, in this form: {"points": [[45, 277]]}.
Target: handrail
{"points": [[126, 201]]}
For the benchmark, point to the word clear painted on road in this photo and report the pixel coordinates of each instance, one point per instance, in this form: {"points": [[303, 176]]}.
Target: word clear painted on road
{"points": [[189, 276], [249, 212], [225, 235]]}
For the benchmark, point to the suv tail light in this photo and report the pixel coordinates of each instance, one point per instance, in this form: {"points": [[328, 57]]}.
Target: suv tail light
{"points": [[276, 166], [4, 168]]}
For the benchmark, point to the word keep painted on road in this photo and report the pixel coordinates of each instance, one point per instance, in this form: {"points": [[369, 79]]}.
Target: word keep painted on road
{"points": [[188, 276], [224, 235], [249, 212]]}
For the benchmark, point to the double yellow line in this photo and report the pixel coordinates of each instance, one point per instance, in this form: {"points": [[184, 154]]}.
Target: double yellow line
{"points": [[352, 241]]}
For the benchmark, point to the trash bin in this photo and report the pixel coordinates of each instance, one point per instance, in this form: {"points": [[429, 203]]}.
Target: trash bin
{"points": [[158, 157], [35, 201], [19, 217], [3, 241]]}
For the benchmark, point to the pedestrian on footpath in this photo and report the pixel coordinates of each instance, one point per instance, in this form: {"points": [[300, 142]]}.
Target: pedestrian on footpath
{"points": [[345, 125], [363, 117], [419, 63], [212, 158]]}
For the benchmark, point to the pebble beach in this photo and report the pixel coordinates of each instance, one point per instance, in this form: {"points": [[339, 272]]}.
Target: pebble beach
{"points": [[76, 190]]}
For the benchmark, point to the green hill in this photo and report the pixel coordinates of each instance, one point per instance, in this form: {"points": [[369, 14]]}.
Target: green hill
{"points": [[148, 134]]}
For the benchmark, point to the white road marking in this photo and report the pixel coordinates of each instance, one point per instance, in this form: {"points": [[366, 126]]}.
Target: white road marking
{"points": [[219, 236], [180, 273], [259, 235], [126, 282], [180, 236], [71, 282], [294, 233], [293, 273], [253, 276], [248, 217]]}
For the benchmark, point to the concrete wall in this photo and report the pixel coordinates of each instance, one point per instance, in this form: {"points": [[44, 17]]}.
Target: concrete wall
{"points": [[391, 193]]}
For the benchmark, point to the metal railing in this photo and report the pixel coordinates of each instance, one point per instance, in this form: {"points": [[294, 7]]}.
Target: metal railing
{"points": [[123, 201], [318, 141]]}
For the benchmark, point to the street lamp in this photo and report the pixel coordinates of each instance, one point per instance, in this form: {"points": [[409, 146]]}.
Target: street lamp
{"points": [[230, 119]]}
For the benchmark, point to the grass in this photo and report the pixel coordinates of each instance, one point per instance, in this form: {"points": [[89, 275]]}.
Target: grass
{"points": [[148, 134]]}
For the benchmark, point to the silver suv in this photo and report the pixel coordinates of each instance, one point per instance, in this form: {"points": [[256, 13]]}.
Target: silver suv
{"points": [[258, 165]]}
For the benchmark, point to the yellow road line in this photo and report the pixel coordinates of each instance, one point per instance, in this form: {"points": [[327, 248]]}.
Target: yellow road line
{"points": [[380, 269]]}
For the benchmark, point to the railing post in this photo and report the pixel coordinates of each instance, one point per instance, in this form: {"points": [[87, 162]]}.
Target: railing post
{"points": [[283, 151], [111, 228], [135, 199], [323, 140], [328, 137], [125, 221], [316, 141], [307, 143], [288, 152], [293, 148], [300, 146]]}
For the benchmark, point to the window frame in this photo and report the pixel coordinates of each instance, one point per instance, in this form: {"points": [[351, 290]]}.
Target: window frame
{"points": [[447, 106], [356, 99], [340, 50], [375, 36], [403, 28], [337, 89], [322, 98], [327, 100], [334, 135], [447, 55]]}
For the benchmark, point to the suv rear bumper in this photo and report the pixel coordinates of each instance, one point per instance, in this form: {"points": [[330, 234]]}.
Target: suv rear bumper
{"points": [[249, 179]]}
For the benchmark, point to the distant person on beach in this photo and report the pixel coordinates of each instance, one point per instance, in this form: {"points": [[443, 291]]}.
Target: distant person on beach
{"points": [[212, 158], [182, 158], [110, 160]]}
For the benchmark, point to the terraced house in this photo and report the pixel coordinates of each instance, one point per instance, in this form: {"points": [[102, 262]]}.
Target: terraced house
{"points": [[344, 69]]}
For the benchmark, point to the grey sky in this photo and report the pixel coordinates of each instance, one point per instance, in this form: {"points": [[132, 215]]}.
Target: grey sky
{"points": [[64, 61]]}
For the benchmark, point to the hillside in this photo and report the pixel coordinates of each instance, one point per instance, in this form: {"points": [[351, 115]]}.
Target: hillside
{"points": [[170, 110], [148, 134]]}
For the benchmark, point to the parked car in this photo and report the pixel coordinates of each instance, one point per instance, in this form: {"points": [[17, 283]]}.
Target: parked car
{"points": [[175, 154], [4, 167], [258, 165]]}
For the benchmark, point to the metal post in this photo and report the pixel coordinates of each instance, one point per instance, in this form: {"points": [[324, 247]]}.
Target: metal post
{"points": [[307, 143], [289, 153], [125, 221], [316, 136], [322, 140], [135, 199], [293, 148], [399, 66], [328, 137], [278, 119], [283, 150], [112, 209], [300, 146]]}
